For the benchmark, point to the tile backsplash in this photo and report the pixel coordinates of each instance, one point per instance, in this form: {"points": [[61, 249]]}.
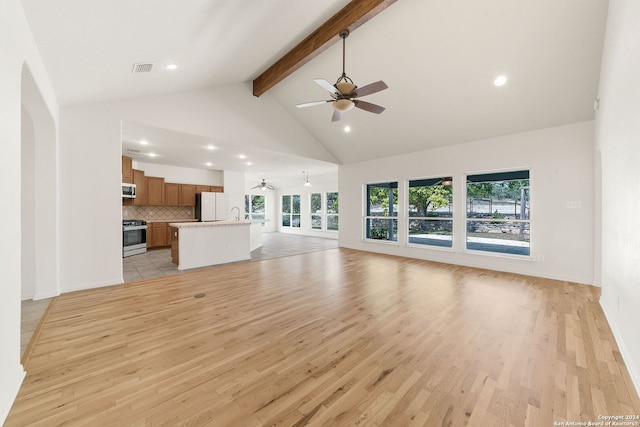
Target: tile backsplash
{"points": [[157, 213]]}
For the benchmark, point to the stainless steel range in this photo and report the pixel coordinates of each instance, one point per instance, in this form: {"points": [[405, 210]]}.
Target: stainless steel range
{"points": [[134, 237]]}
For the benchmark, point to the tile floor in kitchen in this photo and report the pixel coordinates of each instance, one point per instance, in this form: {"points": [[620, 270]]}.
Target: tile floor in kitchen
{"points": [[157, 262]]}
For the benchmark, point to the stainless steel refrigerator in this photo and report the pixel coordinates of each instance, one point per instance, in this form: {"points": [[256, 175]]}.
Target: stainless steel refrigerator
{"points": [[212, 207]]}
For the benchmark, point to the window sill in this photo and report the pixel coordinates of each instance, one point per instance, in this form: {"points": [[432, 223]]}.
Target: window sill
{"points": [[381, 242], [501, 255]]}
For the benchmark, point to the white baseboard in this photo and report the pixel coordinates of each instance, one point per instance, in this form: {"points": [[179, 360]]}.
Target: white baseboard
{"points": [[9, 392], [85, 286], [624, 351]]}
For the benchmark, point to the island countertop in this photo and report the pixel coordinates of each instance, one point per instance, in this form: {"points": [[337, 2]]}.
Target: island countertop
{"points": [[208, 224]]}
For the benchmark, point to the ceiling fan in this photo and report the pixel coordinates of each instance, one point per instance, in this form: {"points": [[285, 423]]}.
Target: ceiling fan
{"points": [[264, 186], [344, 92]]}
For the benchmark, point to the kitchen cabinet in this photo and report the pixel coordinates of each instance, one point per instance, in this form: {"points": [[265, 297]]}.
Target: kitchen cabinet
{"points": [[217, 189], [156, 234], [187, 195], [141, 188], [168, 235], [171, 194], [141, 194], [149, 235], [175, 258], [203, 189], [127, 170], [155, 191]]}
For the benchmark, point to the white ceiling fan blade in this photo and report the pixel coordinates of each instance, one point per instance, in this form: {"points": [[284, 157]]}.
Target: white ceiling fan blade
{"points": [[337, 115], [312, 103], [370, 88], [326, 85]]}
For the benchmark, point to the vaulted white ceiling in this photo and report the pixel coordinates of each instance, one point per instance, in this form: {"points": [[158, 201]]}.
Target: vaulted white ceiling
{"points": [[439, 59]]}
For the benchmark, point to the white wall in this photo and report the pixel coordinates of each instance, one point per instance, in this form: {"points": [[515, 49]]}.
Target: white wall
{"points": [[618, 143], [560, 160], [181, 175], [234, 188], [17, 47]]}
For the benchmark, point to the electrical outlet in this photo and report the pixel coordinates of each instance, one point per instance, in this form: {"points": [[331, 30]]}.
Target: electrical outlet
{"points": [[541, 258]]}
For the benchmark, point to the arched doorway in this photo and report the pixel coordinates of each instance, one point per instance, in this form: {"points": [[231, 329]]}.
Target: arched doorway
{"points": [[38, 204]]}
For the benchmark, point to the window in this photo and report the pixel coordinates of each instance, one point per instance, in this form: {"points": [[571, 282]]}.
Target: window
{"points": [[498, 212], [332, 211], [316, 211], [381, 220], [291, 211], [430, 212], [254, 207]]}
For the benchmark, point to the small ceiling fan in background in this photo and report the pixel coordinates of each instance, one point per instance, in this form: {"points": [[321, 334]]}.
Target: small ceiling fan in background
{"points": [[264, 186], [344, 92]]}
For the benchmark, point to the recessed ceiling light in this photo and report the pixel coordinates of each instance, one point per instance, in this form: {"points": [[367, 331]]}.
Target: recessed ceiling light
{"points": [[152, 154], [209, 164], [347, 129], [171, 66], [211, 147], [242, 156], [248, 163], [144, 142], [500, 80]]}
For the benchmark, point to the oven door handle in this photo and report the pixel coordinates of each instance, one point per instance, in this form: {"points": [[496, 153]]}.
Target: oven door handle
{"points": [[135, 227]]}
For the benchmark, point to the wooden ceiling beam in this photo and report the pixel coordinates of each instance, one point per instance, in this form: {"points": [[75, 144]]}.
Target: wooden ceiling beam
{"points": [[350, 17]]}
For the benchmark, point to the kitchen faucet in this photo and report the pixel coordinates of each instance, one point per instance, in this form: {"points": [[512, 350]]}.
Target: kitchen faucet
{"points": [[237, 216]]}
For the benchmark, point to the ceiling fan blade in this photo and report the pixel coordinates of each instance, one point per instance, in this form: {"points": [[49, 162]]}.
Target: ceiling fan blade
{"points": [[312, 103], [369, 89], [326, 85], [367, 106], [337, 115], [270, 187]]}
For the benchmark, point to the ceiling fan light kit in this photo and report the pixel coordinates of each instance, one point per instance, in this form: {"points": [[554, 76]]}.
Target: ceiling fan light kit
{"points": [[264, 186], [344, 91], [343, 105]]}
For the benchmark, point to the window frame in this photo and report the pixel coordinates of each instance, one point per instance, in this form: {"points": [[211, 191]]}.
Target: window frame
{"points": [[249, 203], [325, 208], [367, 217], [292, 214], [313, 214], [512, 174], [431, 181]]}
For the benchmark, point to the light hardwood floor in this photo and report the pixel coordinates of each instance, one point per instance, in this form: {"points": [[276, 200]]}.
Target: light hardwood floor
{"points": [[330, 338]]}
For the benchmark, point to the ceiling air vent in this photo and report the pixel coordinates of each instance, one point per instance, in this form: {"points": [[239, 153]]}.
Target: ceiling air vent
{"points": [[142, 68], [132, 152]]}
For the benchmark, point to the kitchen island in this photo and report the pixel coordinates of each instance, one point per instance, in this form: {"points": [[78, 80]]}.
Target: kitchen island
{"points": [[200, 244]]}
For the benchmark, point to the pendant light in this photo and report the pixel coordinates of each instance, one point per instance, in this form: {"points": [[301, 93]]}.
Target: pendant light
{"points": [[305, 177]]}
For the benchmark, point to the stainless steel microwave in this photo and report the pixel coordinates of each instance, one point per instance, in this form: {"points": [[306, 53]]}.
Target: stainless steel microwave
{"points": [[128, 191]]}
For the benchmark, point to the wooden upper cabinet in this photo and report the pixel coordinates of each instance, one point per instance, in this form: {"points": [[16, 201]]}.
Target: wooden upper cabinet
{"points": [[141, 188], [187, 195], [171, 194], [155, 191], [202, 189], [217, 189], [127, 169]]}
